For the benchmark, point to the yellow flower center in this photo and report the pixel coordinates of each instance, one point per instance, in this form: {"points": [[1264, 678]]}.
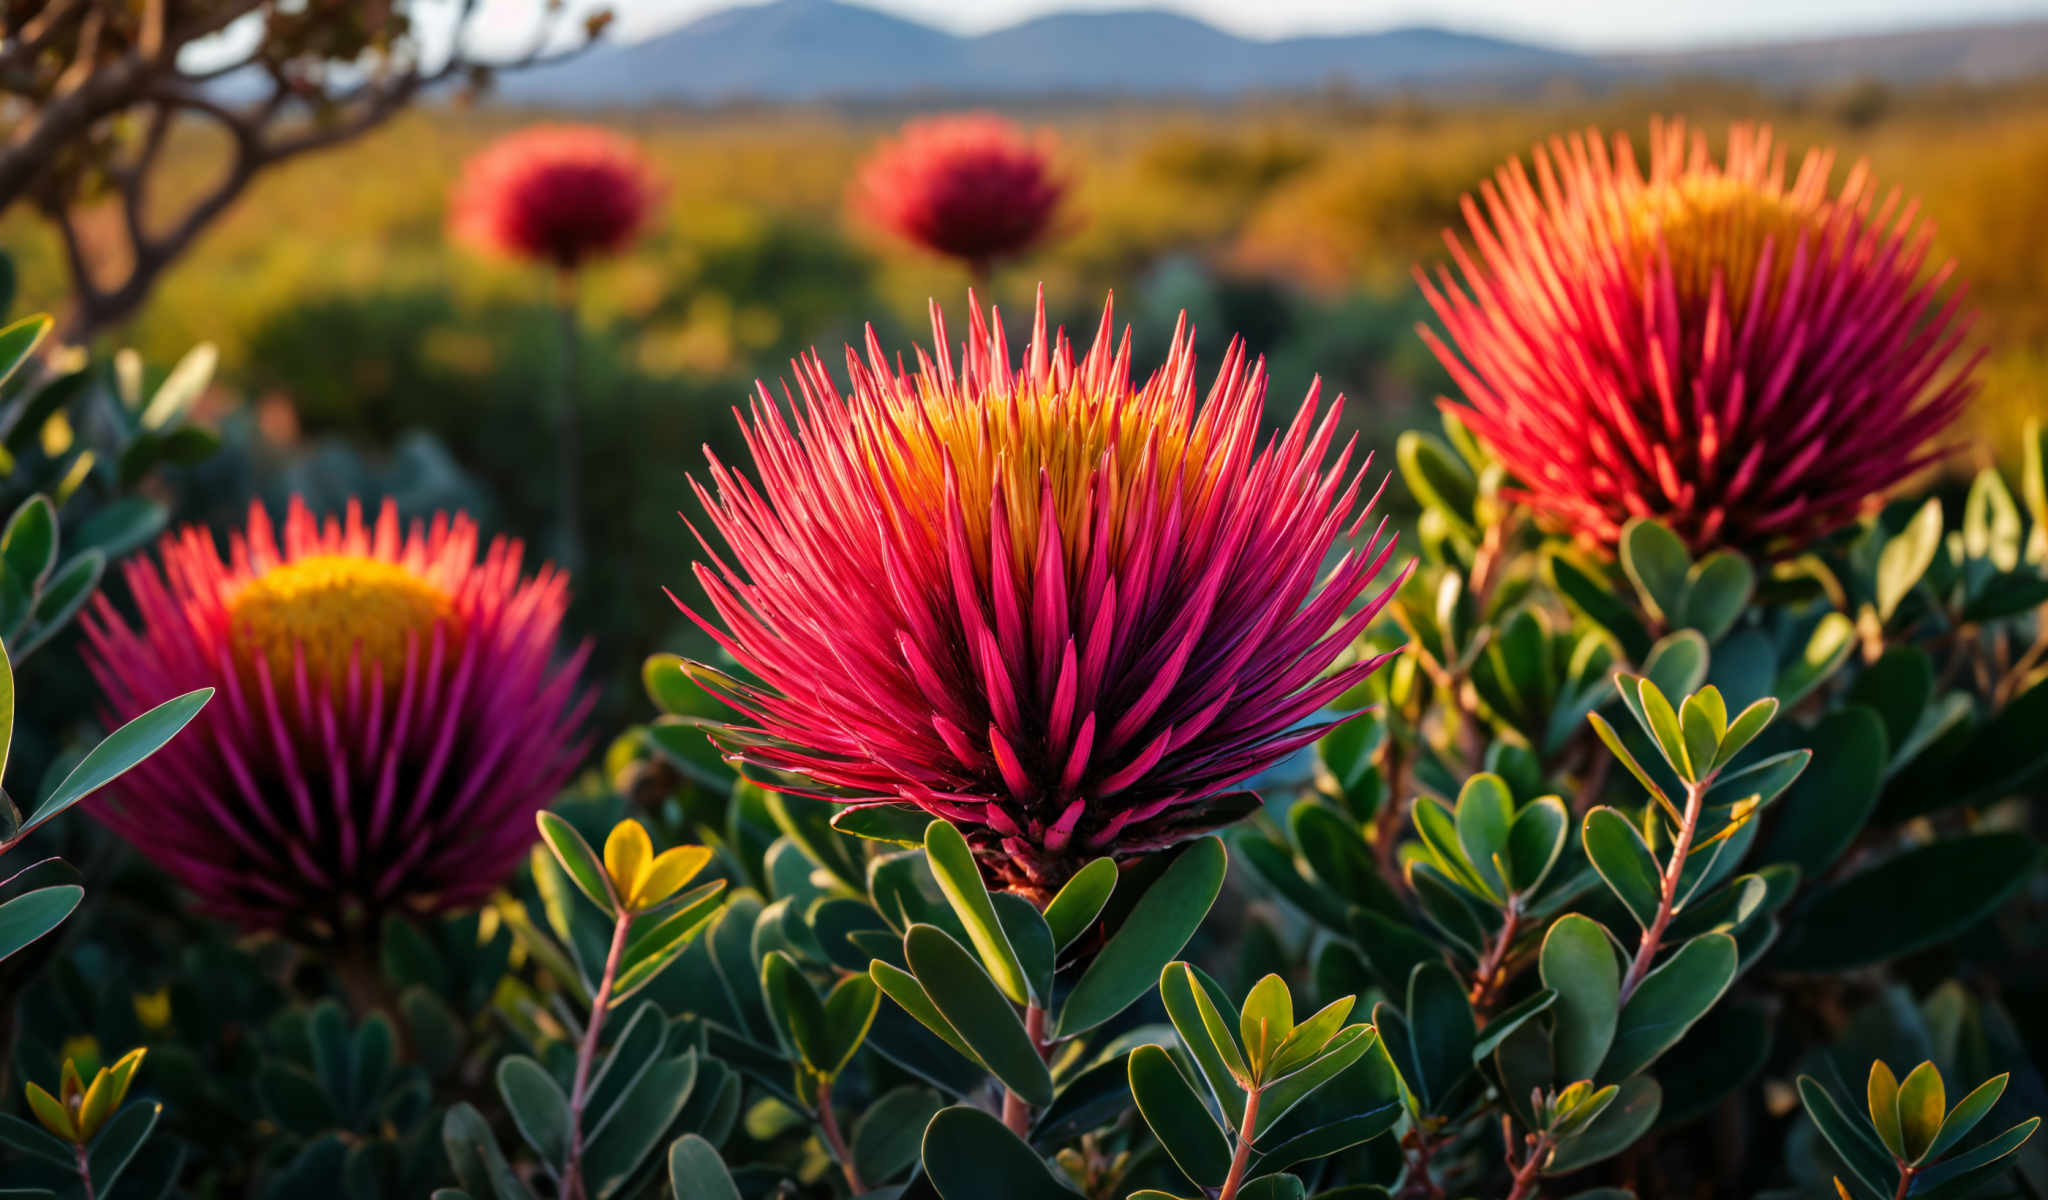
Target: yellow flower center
{"points": [[330, 604], [1008, 443], [1714, 224]]}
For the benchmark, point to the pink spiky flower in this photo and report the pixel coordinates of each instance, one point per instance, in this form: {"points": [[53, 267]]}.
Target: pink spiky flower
{"points": [[390, 716], [972, 187], [558, 194], [1751, 361], [1066, 613]]}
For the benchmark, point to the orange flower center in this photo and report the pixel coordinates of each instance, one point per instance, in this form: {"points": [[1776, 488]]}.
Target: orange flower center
{"points": [[327, 606], [1716, 225]]}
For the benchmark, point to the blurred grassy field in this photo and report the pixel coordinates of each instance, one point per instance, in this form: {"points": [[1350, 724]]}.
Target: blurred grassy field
{"points": [[340, 308]]}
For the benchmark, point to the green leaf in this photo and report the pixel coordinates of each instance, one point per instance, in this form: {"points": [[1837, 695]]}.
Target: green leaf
{"points": [[1624, 861], [696, 1171], [1159, 924], [1577, 962], [910, 996], [886, 1136], [1881, 1094], [1743, 730], [1612, 740], [117, 1143], [473, 1153], [968, 1155], [1442, 1030], [894, 824], [182, 386], [1717, 591], [1206, 1033], [646, 1112], [1677, 665], [849, 1010], [18, 340], [972, 1005], [1830, 645], [1668, 1001], [1702, 719], [1437, 477], [1961, 1175], [538, 1107], [29, 543], [1079, 902], [1031, 938], [1966, 1114], [122, 749], [1906, 557], [1265, 1022], [1536, 839], [1852, 1140], [1923, 1102], [1178, 1118], [959, 878], [1273, 1187], [578, 860], [31, 915], [1280, 1097], [1912, 900], [650, 950], [794, 1006], [1657, 563], [1661, 721], [1592, 600], [1620, 1125], [1483, 814], [1992, 529]]}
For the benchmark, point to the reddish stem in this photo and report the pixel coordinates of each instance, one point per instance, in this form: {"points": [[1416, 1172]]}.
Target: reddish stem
{"points": [[1241, 1161], [828, 1127], [1667, 896], [1016, 1113], [1525, 1175], [1492, 971], [586, 1054]]}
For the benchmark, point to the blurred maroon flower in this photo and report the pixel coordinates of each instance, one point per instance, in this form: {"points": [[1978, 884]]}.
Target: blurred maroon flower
{"points": [[1067, 612], [972, 187], [559, 194], [1750, 361], [390, 716]]}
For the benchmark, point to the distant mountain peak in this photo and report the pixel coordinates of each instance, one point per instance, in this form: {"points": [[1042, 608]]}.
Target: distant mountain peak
{"points": [[788, 50]]}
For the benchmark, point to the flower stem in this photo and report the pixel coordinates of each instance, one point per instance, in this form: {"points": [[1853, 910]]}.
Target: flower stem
{"points": [[568, 449], [1016, 1113], [1525, 1175], [828, 1128], [586, 1054], [1242, 1160], [1906, 1175], [1492, 970], [85, 1171], [1667, 896]]}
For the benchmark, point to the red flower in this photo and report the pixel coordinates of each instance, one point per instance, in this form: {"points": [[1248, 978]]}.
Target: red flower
{"points": [[1749, 361], [972, 187], [389, 717], [1066, 613], [560, 194]]}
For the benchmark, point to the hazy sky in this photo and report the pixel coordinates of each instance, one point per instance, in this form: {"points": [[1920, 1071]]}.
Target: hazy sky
{"points": [[1587, 24]]}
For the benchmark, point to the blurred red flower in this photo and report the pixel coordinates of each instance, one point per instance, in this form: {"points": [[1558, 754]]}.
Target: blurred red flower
{"points": [[972, 187], [1750, 361], [390, 716], [559, 194]]}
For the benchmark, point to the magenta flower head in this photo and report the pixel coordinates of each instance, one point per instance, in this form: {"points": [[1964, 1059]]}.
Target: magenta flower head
{"points": [[972, 187], [1067, 613], [1750, 360], [558, 194], [390, 716]]}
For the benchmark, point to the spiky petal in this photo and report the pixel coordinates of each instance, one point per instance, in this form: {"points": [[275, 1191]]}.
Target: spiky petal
{"points": [[1751, 361], [557, 194], [972, 187], [390, 716], [1066, 613]]}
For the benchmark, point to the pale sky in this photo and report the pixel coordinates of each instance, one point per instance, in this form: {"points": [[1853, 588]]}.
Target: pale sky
{"points": [[1574, 24]]}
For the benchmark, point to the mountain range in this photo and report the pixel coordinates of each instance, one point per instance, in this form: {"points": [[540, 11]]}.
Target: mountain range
{"points": [[798, 50]]}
